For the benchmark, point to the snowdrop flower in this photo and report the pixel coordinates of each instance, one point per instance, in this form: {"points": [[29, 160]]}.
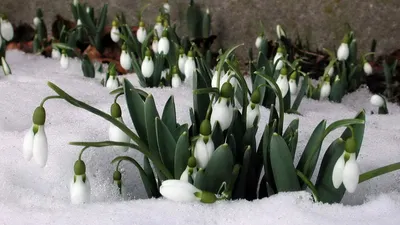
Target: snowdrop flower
{"points": [[343, 50], [64, 60], [115, 133], [253, 109], [36, 21], [282, 82], [147, 65], [154, 44], [190, 66], [163, 43], [346, 169], [222, 111], [79, 22], [182, 191], [7, 30], [112, 81], [190, 171], [259, 40], [325, 89], [115, 32], [80, 185], [280, 32], [158, 27], [35, 140], [55, 53], [76, 2], [377, 100], [279, 56], [204, 145], [118, 182], [293, 84], [164, 73], [166, 7], [224, 77], [141, 33], [367, 68], [5, 66], [176, 79], [125, 59], [182, 60]]}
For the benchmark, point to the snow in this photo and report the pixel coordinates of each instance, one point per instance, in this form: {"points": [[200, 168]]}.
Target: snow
{"points": [[33, 195]]}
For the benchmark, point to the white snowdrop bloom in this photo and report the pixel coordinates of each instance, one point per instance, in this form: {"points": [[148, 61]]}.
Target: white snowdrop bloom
{"points": [[282, 82], [292, 86], [125, 60], [163, 44], [377, 100], [147, 65], [222, 110], [214, 80], [367, 68], [76, 2], [164, 73], [166, 7], [176, 81], [55, 53], [114, 33], [64, 60], [112, 83], [35, 140], [80, 189], [79, 22], [5, 66], [185, 174], [279, 56], [280, 32], [88, 10], [158, 27], [7, 30], [122, 190], [258, 42], [181, 62], [252, 113], [325, 90], [36, 21], [190, 66], [224, 77], [330, 71], [337, 173], [351, 174], [180, 191], [117, 135], [141, 33], [154, 46], [203, 150], [343, 52]]}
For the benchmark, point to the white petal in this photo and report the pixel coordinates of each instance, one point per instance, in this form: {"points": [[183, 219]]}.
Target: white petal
{"points": [[166, 7], [36, 21], [252, 115], [292, 86], [40, 147], [343, 52], [280, 63], [147, 67], [223, 113], [325, 91], [214, 80], [115, 34], [181, 63], [163, 46], [351, 173], [159, 29], [258, 42], [112, 83], [80, 191], [55, 54], [28, 144], [64, 61], [337, 173], [367, 68], [177, 190], [330, 71], [141, 34], [176, 81], [117, 135], [377, 100], [283, 84], [154, 46], [203, 152], [190, 67], [7, 30], [125, 60]]}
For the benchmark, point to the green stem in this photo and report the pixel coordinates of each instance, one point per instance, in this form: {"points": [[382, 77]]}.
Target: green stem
{"points": [[48, 98], [208, 113], [308, 183], [116, 97], [377, 172], [80, 154]]}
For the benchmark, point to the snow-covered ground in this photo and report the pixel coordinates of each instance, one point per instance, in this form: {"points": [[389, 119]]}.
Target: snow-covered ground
{"points": [[33, 195]]}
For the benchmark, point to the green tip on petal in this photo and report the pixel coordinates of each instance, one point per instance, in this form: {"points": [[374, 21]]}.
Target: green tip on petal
{"points": [[192, 162], [115, 110], [79, 167], [350, 145], [205, 127], [227, 90], [256, 96], [39, 116], [117, 175]]}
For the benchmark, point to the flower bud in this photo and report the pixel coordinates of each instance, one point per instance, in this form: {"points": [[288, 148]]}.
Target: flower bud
{"points": [[115, 110], [206, 197]]}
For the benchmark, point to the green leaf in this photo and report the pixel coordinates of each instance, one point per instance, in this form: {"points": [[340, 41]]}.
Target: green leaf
{"points": [[240, 186], [358, 130], [301, 94], [200, 101], [136, 109], [342, 123], [87, 67], [324, 185], [218, 170], [169, 114], [166, 144], [182, 154], [150, 175], [103, 19], [150, 114], [86, 20], [309, 158], [217, 135], [282, 167], [180, 130]]}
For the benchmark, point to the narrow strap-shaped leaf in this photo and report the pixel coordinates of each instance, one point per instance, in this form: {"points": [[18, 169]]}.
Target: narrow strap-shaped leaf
{"points": [[282, 167], [358, 130], [301, 94], [103, 19], [240, 186], [182, 154], [180, 130], [217, 135], [150, 114], [166, 144], [169, 114], [150, 175]]}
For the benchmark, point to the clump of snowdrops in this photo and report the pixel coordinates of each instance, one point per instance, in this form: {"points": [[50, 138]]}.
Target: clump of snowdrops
{"points": [[6, 35]]}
